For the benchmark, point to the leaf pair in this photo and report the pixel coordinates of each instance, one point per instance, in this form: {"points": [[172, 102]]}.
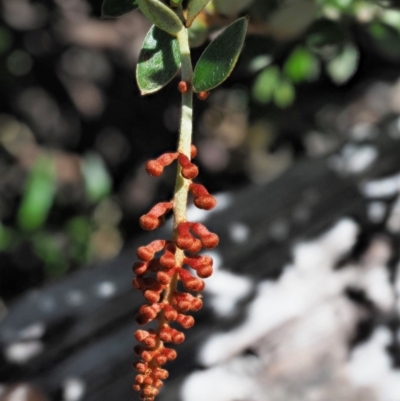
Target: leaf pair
{"points": [[159, 60], [152, 9]]}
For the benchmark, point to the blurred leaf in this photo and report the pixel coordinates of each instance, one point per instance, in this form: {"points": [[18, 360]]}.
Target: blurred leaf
{"points": [[7, 238], [19, 62], [194, 8], [161, 16], [159, 61], [284, 94], [231, 7], [38, 194], [259, 62], [79, 230], [389, 3], [96, 176], [5, 40], [301, 65], [325, 34], [265, 84], [49, 249], [385, 39], [198, 33], [292, 18], [220, 57], [391, 18], [116, 8], [342, 67]]}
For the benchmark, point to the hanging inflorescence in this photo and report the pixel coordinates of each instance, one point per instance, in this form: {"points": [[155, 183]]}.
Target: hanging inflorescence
{"points": [[163, 264]]}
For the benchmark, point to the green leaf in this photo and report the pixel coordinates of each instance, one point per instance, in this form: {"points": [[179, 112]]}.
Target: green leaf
{"points": [[194, 9], [38, 194], [342, 67], [116, 8], [220, 57], [159, 61], [301, 65], [161, 16], [265, 84], [284, 94], [96, 177]]}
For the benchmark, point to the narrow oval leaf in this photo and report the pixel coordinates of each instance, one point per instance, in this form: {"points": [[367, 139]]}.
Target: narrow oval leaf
{"points": [[342, 67], [116, 8], [161, 16], [96, 177], [220, 57], [265, 84], [301, 65], [193, 10], [284, 94], [159, 61], [38, 194]]}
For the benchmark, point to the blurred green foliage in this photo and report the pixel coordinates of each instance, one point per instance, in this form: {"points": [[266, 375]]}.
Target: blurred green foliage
{"points": [[327, 47], [38, 194], [67, 202]]}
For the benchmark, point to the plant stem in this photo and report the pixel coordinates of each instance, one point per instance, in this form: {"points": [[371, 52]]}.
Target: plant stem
{"points": [[185, 134], [184, 146]]}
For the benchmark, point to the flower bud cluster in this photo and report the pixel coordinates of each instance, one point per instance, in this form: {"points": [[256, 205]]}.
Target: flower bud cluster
{"points": [[161, 266]]}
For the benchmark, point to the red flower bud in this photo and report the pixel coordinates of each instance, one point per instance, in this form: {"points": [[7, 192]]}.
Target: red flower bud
{"points": [[184, 239], [156, 167], [182, 301], [191, 283], [152, 296], [168, 258], [140, 335], [169, 353], [164, 278], [193, 151], [154, 218], [149, 223], [202, 199], [158, 383], [160, 373], [196, 304], [170, 313], [203, 95], [183, 86], [208, 239], [189, 170], [161, 360], [185, 321], [140, 367], [140, 268], [146, 253], [202, 265]]}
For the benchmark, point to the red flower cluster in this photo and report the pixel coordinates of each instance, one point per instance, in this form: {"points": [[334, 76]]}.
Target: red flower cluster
{"points": [[161, 267]]}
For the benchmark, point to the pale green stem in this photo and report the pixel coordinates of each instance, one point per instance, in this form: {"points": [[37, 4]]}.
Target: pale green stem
{"points": [[186, 128], [184, 145]]}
